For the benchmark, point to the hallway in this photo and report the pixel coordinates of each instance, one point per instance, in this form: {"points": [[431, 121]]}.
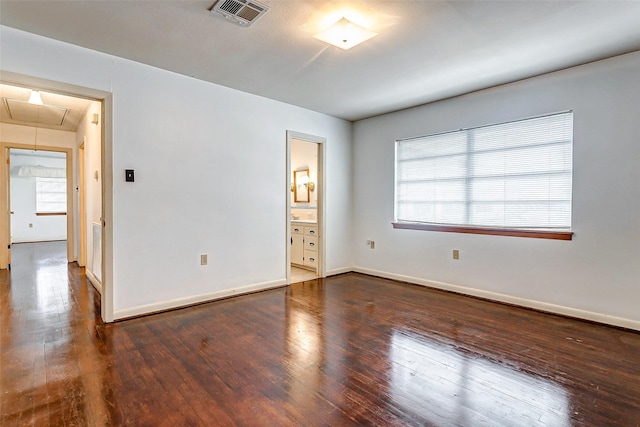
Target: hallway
{"points": [[48, 314]]}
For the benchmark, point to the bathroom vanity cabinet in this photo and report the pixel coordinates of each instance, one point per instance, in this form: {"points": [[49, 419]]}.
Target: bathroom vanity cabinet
{"points": [[304, 245]]}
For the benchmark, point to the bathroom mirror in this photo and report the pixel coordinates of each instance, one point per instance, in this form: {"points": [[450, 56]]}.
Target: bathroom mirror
{"points": [[301, 185]]}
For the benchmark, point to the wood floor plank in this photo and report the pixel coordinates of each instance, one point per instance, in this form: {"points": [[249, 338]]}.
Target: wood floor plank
{"points": [[346, 350]]}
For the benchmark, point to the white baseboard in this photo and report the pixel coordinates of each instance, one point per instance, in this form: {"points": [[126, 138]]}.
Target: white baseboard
{"points": [[196, 299], [523, 302], [337, 271], [95, 282]]}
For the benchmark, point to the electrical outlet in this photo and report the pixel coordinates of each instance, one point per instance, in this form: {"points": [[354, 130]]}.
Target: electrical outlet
{"points": [[203, 259], [371, 244], [456, 254], [30, 225]]}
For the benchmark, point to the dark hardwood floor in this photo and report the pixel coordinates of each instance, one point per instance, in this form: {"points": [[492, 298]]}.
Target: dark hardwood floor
{"points": [[347, 350]]}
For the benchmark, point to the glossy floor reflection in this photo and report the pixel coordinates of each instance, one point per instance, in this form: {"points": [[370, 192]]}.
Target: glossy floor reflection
{"points": [[348, 350], [437, 380]]}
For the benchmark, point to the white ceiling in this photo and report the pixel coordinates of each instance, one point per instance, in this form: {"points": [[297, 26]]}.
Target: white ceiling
{"points": [[425, 50]]}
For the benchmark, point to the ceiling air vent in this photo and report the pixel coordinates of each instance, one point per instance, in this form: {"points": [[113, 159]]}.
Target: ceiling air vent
{"points": [[241, 12]]}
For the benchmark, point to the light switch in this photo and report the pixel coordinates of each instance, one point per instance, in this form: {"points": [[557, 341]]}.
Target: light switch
{"points": [[128, 173]]}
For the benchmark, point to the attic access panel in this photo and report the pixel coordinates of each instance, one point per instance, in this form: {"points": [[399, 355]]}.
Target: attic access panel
{"points": [[23, 111], [241, 12]]}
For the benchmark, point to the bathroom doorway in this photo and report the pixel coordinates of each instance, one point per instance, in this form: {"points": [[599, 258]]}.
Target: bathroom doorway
{"points": [[305, 227]]}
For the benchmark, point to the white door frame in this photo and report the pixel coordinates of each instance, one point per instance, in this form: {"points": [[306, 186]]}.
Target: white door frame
{"points": [[106, 123], [4, 203], [320, 189], [82, 206], [5, 209]]}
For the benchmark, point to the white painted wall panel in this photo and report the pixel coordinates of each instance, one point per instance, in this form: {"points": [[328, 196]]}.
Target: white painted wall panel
{"points": [[598, 271], [90, 134], [210, 167]]}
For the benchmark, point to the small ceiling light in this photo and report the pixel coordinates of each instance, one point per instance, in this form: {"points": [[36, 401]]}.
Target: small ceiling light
{"points": [[34, 98], [345, 34]]}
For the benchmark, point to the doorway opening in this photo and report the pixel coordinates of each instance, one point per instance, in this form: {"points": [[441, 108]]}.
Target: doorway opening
{"points": [[305, 207], [38, 194], [68, 124]]}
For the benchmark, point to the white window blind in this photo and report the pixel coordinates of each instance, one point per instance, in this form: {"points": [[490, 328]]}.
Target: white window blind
{"points": [[51, 195], [511, 175]]}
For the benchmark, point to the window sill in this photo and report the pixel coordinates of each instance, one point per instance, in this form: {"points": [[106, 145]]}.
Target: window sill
{"points": [[513, 232], [50, 213]]}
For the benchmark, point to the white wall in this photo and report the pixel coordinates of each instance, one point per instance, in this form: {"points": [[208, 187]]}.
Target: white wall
{"points": [[210, 175], [206, 182], [89, 134], [597, 274], [17, 134], [26, 226]]}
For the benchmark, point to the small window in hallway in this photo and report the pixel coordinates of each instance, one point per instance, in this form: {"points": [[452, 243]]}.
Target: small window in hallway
{"points": [[51, 195]]}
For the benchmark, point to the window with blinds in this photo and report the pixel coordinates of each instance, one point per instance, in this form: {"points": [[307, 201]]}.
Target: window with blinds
{"points": [[51, 195], [515, 175]]}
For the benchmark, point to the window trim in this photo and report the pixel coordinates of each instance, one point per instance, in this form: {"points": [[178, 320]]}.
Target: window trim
{"points": [[493, 231], [531, 232]]}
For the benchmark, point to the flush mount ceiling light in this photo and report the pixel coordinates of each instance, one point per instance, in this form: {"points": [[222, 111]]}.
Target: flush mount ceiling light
{"points": [[35, 98], [345, 34]]}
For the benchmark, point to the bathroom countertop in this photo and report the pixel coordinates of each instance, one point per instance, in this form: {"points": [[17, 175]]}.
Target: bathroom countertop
{"points": [[303, 221]]}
